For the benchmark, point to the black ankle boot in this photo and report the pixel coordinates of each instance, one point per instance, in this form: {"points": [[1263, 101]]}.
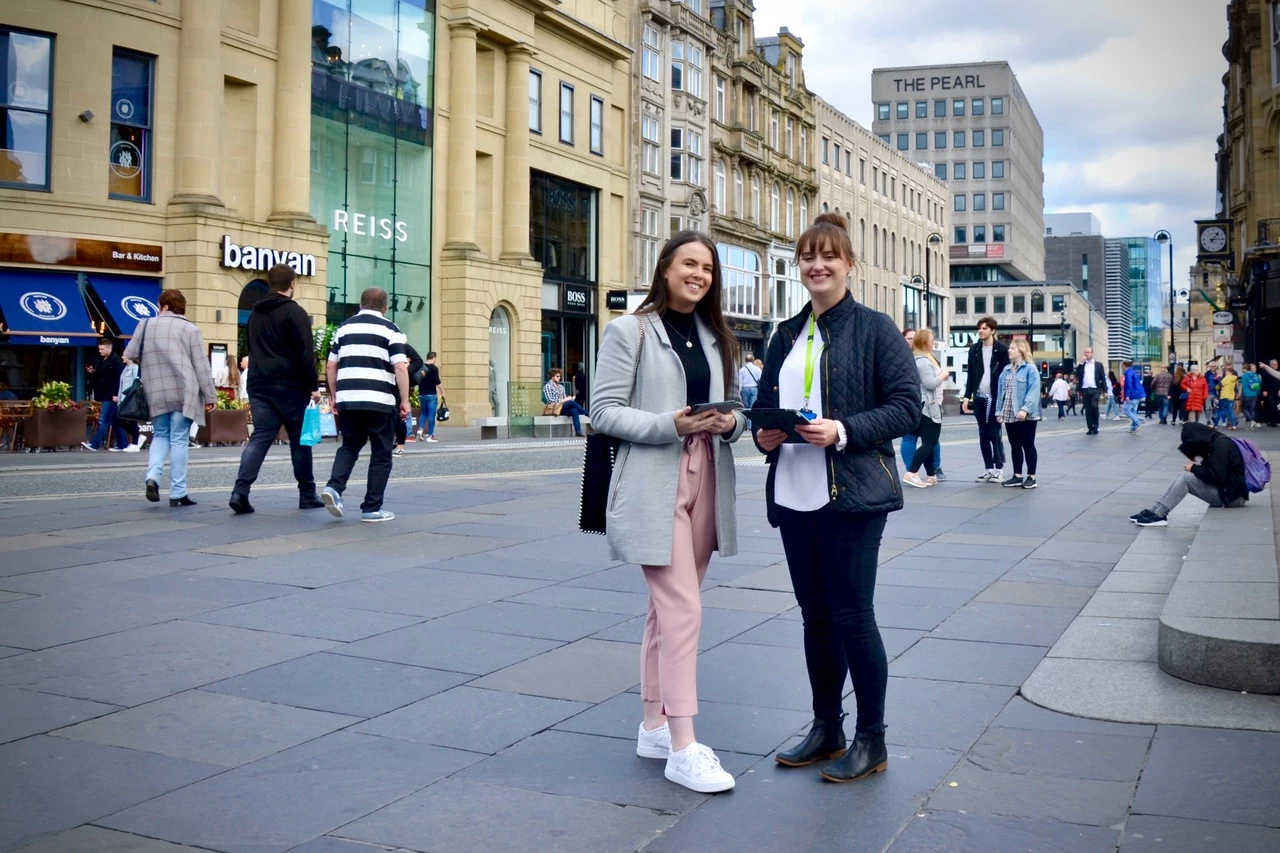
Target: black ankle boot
{"points": [[825, 740], [867, 756]]}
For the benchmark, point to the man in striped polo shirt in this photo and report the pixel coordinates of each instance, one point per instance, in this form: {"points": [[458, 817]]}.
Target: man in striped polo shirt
{"points": [[369, 369]]}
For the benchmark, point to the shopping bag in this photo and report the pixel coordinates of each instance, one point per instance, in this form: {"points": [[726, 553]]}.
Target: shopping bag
{"points": [[311, 432], [328, 424]]}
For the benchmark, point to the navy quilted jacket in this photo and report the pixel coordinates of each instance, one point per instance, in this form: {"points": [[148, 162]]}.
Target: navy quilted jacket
{"points": [[870, 383]]}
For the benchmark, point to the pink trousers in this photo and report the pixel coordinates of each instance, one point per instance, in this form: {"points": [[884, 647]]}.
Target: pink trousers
{"points": [[669, 652]]}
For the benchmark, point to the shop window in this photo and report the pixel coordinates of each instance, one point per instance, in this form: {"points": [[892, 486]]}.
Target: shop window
{"points": [[499, 360], [563, 227], [129, 164], [26, 104], [740, 275]]}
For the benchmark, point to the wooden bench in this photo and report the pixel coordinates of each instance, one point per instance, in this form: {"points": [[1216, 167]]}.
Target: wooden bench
{"points": [[544, 426]]}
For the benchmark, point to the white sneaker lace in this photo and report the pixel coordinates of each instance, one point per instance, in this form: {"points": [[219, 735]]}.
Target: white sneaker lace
{"points": [[703, 760]]}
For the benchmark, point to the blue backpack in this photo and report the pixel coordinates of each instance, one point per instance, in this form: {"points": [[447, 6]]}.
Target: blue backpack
{"points": [[1257, 470]]}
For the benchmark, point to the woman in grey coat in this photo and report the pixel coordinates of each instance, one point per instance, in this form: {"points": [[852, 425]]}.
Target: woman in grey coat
{"points": [[930, 426], [671, 500], [178, 379]]}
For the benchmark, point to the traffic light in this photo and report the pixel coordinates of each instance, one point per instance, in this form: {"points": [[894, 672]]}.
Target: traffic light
{"points": [[1044, 370]]}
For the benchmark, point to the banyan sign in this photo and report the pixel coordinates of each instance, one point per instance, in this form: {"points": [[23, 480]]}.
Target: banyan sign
{"points": [[52, 250], [259, 258]]}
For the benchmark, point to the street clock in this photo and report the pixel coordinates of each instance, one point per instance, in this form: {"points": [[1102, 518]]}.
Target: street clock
{"points": [[1213, 239]]}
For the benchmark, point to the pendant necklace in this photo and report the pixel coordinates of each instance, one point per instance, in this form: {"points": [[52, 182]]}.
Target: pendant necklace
{"points": [[688, 343]]}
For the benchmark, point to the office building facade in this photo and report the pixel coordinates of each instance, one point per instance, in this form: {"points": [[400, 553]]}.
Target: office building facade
{"points": [[975, 128], [1119, 300], [762, 143], [1081, 260], [1148, 298], [894, 207]]}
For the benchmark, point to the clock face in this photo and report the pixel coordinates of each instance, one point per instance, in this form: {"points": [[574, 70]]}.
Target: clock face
{"points": [[1213, 239]]}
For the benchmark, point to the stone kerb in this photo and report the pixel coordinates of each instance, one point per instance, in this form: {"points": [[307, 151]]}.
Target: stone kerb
{"points": [[1221, 623]]}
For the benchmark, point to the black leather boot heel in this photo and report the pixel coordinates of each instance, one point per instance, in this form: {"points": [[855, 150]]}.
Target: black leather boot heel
{"points": [[867, 756], [825, 740]]}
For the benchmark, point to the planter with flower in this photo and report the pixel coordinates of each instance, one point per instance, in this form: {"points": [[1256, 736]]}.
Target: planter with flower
{"points": [[56, 420], [228, 423]]}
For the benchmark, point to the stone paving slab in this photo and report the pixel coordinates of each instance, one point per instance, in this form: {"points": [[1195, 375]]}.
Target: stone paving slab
{"points": [[437, 646], [966, 833], [584, 671], [968, 661], [94, 839], [1107, 638], [25, 712], [1090, 802], [1149, 834]]}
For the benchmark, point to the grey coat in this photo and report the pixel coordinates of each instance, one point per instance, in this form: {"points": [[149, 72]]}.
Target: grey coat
{"points": [[642, 495], [175, 370], [930, 379]]}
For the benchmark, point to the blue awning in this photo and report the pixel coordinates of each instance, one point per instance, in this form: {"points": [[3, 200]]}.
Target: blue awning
{"points": [[128, 300], [44, 309]]}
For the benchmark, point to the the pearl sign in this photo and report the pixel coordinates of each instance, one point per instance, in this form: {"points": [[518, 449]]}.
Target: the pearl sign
{"points": [[256, 258]]}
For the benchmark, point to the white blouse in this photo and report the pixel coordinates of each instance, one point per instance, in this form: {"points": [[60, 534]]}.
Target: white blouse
{"points": [[800, 481]]}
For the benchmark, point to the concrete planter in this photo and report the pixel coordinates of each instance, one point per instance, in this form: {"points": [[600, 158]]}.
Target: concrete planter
{"points": [[47, 429], [224, 426]]}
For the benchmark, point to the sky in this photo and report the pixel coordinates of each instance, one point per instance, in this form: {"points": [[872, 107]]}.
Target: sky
{"points": [[1128, 92]]}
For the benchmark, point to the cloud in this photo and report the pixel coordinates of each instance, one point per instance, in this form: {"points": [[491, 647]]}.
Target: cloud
{"points": [[1129, 93]]}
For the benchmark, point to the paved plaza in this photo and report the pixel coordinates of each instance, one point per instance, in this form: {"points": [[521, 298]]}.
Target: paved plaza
{"points": [[464, 678]]}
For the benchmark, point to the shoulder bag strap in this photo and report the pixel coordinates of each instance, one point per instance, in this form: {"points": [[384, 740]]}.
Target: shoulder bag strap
{"points": [[142, 343], [635, 372]]}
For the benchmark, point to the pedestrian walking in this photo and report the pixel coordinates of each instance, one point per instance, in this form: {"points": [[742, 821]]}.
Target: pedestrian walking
{"points": [[580, 390], [129, 373], [430, 390], [1250, 392], [558, 401], [178, 380], [404, 426], [1214, 474], [1178, 396], [1018, 408], [284, 383], [1092, 380], [243, 391], [1228, 391], [370, 370], [1073, 396], [907, 446], [846, 367], [1160, 387], [1270, 399], [105, 375], [1134, 394], [1197, 393], [1060, 392], [748, 380], [929, 426], [672, 498], [1211, 398], [1114, 395], [987, 357], [1147, 379]]}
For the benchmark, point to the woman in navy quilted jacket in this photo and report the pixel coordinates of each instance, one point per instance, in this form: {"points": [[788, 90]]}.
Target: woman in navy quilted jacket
{"points": [[831, 487]]}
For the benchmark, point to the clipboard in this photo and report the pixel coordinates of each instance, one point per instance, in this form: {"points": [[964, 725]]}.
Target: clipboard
{"points": [[783, 419]]}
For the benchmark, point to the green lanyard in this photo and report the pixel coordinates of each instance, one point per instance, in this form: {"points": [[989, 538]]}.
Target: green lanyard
{"points": [[808, 366]]}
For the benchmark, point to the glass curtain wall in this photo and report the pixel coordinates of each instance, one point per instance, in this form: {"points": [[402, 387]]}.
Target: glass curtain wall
{"points": [[1145, 295], [372, 117]]}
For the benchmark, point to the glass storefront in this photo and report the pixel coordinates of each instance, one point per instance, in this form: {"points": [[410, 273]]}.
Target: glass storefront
{"points": [[499, 360], [372, 115], [563, 233]]}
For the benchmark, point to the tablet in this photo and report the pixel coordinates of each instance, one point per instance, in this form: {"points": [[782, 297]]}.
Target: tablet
{"points": [[783, 419], [724, 407]]}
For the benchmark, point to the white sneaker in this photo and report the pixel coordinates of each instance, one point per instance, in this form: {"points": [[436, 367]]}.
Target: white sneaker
{"points": [[654, 744], [910, 479], [997, 477], [697, 768], [984, 477], [133, 448], [432, 439]]}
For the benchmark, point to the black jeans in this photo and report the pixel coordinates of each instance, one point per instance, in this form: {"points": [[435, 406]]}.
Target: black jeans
{"points": [[832, 558], [1090, 396], [378, 430], [929, 431], [271, 410], [1022, 442], [984, 411]]}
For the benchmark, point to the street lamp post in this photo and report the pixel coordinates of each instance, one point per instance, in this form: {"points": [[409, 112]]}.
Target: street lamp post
{"points": [[1062, 338], [1031, 335], [1162, 237]]}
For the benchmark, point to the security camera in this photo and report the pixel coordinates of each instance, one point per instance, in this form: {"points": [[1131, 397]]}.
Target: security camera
{"points": [[86, 116]]}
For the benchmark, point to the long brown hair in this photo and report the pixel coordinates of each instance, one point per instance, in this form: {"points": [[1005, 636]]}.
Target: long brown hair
{"points": [[709, 308]]}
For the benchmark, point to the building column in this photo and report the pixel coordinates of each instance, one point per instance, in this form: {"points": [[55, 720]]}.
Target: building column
{"points": [[460, 221], [291, 167], [515, 215], [200, 85]]}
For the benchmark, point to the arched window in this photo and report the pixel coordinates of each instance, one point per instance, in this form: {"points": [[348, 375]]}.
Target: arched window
{"points": [[775, 202], [804, 212], [884, 248], [893, 253], [755, 199], [904, 254], [718, 190], [739, 206], [875, 245], [912, 256], [789, 227], [825, 208], [862, 240]]}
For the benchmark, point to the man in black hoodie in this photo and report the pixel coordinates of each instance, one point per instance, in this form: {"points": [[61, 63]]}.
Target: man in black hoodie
{"points": [[282, 382], [106, 389], [1215, 475]]}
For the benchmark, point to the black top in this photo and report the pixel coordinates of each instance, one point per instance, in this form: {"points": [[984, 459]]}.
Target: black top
{"points": [[430, 380], [1221, 464], [682, 331], [282, 353], [106, 378]]}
